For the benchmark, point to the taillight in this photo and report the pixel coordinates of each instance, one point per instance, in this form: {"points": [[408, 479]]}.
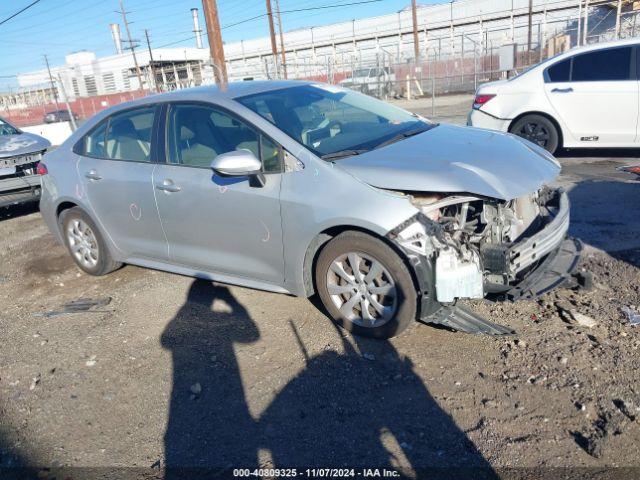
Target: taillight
{"points": [[482, 99], [41, 169]]}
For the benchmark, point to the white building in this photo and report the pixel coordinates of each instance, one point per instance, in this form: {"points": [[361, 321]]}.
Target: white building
{"points": [[85, 75], [451, 30]]}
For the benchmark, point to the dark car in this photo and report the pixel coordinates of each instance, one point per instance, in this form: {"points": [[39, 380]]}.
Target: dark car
{"points": [[59, 116]]}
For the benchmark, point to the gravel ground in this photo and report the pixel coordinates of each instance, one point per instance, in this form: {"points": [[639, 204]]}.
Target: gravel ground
{"points": [[178, 372]]}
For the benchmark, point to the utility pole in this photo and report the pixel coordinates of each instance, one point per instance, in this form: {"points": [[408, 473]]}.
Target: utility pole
{"points": [[153, 73], [65, 98], [619, 11], [272, 33], [131, 44], [513, 25], [53, 85], [585, 30], [216, 47], [579, 22], [530, 25], [416, 40], [282, 52]]}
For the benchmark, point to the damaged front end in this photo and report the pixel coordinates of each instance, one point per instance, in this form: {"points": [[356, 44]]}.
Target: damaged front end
{"points": [[471, 247]]}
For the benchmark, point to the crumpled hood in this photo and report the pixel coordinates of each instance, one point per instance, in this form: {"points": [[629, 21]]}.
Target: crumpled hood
{"points": [[21, 144], [453, 159]]}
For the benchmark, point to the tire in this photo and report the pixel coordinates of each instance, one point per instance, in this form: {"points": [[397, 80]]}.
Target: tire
{"points": [[392, 309], [93, 257], [539, 130]]}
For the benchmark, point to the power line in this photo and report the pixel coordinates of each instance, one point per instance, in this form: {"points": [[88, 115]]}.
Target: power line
{"points": [[19, 12], [262, 15]]}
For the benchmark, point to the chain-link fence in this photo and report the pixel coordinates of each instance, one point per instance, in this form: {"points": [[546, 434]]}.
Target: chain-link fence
{"points": [[451, 59]]}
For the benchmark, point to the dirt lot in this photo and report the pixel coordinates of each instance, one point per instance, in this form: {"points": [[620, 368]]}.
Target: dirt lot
{"points": [[180, 372]]}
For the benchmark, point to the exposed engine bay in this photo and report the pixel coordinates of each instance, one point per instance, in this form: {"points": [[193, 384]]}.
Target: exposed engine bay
{"points": [[482, 246]]}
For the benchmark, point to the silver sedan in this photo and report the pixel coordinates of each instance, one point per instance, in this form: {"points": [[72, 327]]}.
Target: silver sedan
{"points": [[306, 188]]}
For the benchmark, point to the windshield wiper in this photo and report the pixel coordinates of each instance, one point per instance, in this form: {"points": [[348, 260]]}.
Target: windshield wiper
{"points": [[342, 154], [401, 136]]}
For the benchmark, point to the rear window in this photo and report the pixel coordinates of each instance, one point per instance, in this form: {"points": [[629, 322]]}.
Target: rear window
{"points": [[603, 65], [560, 71]]}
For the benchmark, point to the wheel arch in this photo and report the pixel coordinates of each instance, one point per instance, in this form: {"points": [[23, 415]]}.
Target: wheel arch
{"points": [[322, 239], [546, 115], [67, 204]]}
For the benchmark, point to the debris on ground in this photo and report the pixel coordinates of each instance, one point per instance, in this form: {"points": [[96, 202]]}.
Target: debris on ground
{"points": [[632, 316], [196, 389], [572, 316], [582, 319], [80, 306]]}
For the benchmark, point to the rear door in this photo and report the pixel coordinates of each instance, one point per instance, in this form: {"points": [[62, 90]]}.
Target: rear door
{"points": [[596, 96], [115, 168]]}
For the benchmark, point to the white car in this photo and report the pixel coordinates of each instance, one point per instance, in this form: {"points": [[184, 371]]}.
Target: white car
{"points": [[585, 98]]}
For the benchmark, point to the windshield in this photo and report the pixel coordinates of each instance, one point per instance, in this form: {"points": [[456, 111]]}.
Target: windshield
{"points": [[6, 129], [360, 72], [328, 119]]}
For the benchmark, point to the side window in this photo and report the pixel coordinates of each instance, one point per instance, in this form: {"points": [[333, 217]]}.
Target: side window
{"points": [[196, 134], [95, 141], [560, 71], [270, 154], [603, 65], [129, 135]]}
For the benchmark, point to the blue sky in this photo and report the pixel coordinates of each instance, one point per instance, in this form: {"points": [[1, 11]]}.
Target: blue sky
{"points": [[58, 27]]}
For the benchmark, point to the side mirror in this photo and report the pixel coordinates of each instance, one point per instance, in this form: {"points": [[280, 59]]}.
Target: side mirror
{"points": [[239, 163]]}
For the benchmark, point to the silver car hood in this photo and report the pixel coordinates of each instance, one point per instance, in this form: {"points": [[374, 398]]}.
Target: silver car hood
{"points": [[21, 144], [455, 159]]}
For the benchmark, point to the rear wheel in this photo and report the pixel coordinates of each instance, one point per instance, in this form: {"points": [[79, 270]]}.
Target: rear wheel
{"points": [[85, 243], [539, 130], [365, 286]]}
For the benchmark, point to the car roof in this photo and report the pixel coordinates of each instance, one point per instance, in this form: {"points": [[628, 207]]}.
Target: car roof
{"points": [[208, 93], [599, 46]]}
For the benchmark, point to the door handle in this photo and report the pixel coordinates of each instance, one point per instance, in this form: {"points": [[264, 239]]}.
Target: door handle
{"points": [[93, 175], [168, 186], [562, 90]]}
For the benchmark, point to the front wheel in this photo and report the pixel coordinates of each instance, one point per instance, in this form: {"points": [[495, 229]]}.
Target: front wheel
{"points": [[365, 286], [539, 130]]}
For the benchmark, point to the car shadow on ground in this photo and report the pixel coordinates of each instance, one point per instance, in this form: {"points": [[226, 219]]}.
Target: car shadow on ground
{"points": [[15, 211], [341, 410], [604, 215]]}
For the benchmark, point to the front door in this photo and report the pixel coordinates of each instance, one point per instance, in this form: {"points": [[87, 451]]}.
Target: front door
{"points": [[213, 223], [596, 96], [116, 174]]}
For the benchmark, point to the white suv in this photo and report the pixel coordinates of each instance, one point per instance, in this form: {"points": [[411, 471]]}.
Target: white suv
{"points": [[586, 97]]}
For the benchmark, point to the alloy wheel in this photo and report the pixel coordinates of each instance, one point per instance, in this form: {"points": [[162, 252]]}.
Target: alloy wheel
{"points": [[535, 132], [82, 243]]}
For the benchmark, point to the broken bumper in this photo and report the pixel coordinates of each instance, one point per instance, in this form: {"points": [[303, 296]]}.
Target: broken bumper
{"points": [[557, 255], [554, 270], [527, 252], [14, 190]]}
